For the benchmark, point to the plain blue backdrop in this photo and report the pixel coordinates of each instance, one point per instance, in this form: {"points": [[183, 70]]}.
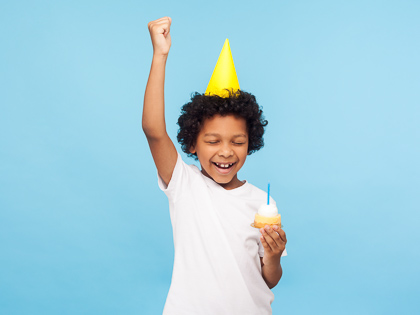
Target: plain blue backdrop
{"points": [[84, 228]]}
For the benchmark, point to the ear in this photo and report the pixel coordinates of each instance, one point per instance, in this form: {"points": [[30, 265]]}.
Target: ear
{"points": [[192, 149]]}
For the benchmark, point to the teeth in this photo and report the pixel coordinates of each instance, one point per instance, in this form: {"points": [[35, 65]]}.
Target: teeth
{"points": [[224, 165]]}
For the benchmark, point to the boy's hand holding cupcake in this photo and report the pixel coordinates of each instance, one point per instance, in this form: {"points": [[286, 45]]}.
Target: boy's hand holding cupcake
{"points": [[274, 242]]}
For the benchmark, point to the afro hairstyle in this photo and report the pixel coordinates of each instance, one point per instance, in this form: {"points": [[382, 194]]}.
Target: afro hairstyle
{"points": [[201, 107]]}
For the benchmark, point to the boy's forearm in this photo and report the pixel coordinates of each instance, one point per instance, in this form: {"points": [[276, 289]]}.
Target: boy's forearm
{"points": [[153, 120], [272, 274]]}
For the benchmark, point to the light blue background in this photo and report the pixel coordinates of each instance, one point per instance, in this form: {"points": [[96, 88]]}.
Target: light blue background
{"points": [[84, 228]]}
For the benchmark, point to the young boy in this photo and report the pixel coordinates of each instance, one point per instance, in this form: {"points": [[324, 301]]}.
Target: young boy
{"points": [[222, 265]]}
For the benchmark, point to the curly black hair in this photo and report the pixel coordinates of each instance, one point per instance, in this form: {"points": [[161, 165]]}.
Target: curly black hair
{"points": [[201, 107]]}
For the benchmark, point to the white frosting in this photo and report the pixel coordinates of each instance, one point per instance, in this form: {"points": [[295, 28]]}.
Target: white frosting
{"points": [[268, 210]]}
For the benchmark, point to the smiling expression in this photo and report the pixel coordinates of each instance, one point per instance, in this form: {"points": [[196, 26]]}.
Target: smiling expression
{"points": [[222, 148]]}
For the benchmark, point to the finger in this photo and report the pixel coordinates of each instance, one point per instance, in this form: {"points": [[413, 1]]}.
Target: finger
{"points": [[163, 24], [274, 235], [166, 29], [269, 239], [282, 234], [164, 21], [160, 21], [158, 30], [165, 18], [267, 247]]}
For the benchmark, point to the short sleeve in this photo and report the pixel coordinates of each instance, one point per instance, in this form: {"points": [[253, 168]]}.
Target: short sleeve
{"points": [[176, 178], [260, 249], [181, 176]]}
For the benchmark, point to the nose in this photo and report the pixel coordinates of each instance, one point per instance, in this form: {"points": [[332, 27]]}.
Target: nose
{"points": [[225, 151]]}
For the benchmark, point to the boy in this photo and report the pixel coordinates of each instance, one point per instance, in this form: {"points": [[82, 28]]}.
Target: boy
{"points": [[222, 265]]}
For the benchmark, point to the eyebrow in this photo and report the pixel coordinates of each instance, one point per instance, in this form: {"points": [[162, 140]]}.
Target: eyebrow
{"points": [[218, 135]]}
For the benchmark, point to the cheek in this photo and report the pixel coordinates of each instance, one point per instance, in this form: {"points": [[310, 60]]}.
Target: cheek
{"points": [[244, 150], [243, 154], [204, 153]]}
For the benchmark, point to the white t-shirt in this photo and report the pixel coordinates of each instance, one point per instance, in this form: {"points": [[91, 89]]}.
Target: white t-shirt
{"points": [[217, 267]]}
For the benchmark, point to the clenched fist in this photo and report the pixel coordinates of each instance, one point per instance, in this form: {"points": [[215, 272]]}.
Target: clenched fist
{"points": [[159, 33]]}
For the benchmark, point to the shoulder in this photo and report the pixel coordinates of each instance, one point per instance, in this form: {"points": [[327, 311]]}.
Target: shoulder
{"points": [[189, 168], [182, 174], [259, 194]]}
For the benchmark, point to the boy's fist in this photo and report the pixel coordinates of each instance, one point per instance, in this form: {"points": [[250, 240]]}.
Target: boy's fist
{"points": [[159, 33]]}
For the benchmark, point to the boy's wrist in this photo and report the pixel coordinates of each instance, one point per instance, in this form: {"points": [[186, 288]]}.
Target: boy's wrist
{"points": [[272, 262], [159, 57]]}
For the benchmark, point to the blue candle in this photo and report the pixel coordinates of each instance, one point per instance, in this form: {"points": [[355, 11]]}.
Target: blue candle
{"points": [[268, 194]]}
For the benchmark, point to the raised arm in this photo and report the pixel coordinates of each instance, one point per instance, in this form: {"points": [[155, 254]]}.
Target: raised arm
{"points": [[153, 121]]}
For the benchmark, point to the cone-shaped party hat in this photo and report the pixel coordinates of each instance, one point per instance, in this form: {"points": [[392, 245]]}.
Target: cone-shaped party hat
{"points": [[224, 74]]}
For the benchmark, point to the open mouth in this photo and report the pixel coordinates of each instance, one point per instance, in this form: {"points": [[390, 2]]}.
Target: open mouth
{"points": [[224, 168]]}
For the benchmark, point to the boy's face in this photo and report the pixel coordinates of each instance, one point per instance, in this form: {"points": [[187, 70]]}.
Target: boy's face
{"points": [[221, 148]]}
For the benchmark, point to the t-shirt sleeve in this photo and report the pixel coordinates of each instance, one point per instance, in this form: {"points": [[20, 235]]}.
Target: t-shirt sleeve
{"points": [[179, 178], [260, 249]]}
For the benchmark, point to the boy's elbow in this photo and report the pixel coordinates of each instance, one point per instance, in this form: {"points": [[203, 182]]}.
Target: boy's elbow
{"points": [[146, 129], [153, 128], [271, 284], [272, 277]]}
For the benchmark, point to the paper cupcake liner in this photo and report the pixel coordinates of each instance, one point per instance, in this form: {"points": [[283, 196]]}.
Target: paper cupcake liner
{"points": [[252, 224]]}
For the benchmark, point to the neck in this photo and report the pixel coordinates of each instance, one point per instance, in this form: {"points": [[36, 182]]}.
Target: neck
{"points": [[234, 183]]}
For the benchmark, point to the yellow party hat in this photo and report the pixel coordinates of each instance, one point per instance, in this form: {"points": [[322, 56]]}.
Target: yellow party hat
{"points": [[224, 74]]}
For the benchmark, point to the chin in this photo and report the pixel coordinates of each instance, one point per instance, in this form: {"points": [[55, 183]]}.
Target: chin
{"points": [[219, 179], [223, 181]]}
